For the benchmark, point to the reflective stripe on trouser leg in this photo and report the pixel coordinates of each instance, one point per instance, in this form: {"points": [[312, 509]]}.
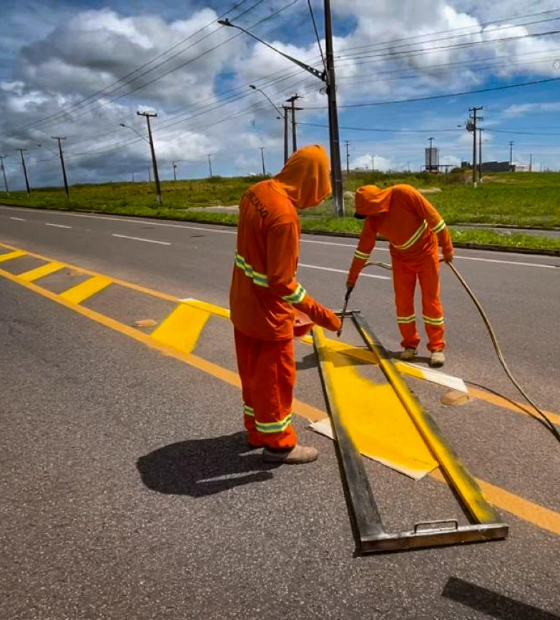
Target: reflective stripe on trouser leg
{"points": [[432, 311], [404, 282], [267, 371]]}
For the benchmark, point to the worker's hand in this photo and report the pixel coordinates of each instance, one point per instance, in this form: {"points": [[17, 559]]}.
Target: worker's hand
{"points": [[448, 258], [331, 322]]}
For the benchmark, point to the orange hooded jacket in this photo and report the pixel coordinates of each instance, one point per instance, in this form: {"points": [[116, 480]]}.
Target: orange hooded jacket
{"points": [[264, 290], [403, 216]]}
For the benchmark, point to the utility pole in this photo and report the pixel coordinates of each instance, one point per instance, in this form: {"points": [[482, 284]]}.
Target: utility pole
{"points": [[210, 164], [511, 155], [174, 170], [292, 101], [262, 159], [347, 142], [472, 126], [62, 164], [372, 163], [4, 173], [530, 163], [286, 122], [480, 155], [21, 152], [149, 115], [336, 171]]}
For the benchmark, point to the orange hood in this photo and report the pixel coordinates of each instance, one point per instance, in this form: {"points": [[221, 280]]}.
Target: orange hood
{"points": [[371, 200], [305, 177]]}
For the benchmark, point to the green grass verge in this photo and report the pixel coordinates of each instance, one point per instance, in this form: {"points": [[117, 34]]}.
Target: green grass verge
{"points": [[518, 199]]}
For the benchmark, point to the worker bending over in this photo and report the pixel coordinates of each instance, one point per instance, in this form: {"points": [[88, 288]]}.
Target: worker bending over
{"points": [[265, 298], [414, 229]]}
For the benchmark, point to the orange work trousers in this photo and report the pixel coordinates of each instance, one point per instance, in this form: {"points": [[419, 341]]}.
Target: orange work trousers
{"points": [[268, 374], [405, 274]]}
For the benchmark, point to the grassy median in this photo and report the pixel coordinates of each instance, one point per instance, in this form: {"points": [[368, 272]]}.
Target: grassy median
{"points": [[515, 199]]}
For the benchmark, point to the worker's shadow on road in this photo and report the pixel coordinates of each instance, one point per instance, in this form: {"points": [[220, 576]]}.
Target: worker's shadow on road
{"points": [[200, 467]]}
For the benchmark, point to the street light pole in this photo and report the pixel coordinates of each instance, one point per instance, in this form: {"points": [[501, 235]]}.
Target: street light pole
{"points": [[21, 152], [210, 164], [328, 77], [334, 138], [262, 158], [4, 173], [149, 115], [472, 126], [292, 101], [511, 156], [286, 146], [62, 164], [175, 171]]}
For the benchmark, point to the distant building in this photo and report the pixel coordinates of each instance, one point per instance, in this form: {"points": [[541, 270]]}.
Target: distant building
{"points": [[431, 159], [498, 166]]}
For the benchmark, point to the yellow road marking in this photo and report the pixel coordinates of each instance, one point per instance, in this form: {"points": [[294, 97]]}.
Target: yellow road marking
{"points": [[502, 402], [540, 516], [374, 416], [11, 255], [182, 328], [41, 272], [533, 513], [86, 289]]}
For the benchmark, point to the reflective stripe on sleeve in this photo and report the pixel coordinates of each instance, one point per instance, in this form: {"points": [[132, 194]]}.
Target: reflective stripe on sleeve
{"points": [[274, 427], [432, 321], [259, 279], [439, 227], [361, 255], [406, 319], [297, 296], [414, 237]]}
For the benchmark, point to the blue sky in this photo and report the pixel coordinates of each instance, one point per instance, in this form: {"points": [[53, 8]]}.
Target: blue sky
{"points": [[60, 63]]}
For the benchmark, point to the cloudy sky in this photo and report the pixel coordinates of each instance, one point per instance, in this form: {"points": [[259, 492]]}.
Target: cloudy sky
{"points": [[80, 68]]}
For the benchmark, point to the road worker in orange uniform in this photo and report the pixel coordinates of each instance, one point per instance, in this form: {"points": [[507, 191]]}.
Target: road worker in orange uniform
{"points": [[266, 299], [414, 229]]}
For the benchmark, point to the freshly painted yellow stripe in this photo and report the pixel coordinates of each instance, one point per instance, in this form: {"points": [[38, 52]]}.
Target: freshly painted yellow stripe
{"points": [[86, 289], [11, 255], [506, 404], [538, 515], [211, 308], [373, 415], [464, 483], [41, 272], [182, 328]]}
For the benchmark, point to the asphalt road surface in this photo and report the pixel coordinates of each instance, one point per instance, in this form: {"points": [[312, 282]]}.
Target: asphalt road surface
{"points": [[126, 490]]}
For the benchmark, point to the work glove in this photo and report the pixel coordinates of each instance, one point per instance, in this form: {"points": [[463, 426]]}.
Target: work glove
{"points": [[448, 258], [319, 314], [349, 288]]}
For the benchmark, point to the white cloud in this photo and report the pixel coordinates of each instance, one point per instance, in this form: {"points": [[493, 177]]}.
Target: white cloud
{"points": [[522, 109]]}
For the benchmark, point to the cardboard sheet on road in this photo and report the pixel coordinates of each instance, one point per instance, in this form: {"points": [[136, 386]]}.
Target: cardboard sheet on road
{"points": [[376, 420]]}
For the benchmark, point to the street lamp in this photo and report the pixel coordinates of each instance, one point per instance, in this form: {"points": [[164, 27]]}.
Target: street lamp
{"points": [[327, 76], [260, 90], [136, 132], [283, 116]]}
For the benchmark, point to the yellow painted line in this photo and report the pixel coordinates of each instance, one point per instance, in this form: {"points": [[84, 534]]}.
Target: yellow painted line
{"points": [[464, 484], [373, 415], [182, 328], [538, 515], [11, 255], [86, 289], [502, 402], [210, 308], [131, 285], [41, 272], [533, 513]]}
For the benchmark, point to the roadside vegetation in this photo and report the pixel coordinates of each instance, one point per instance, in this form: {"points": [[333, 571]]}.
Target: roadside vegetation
{"points": [[530, 200]]}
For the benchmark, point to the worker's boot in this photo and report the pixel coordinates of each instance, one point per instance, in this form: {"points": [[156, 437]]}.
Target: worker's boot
{"points": [[298, 454], [408, 354], [437, 360]]}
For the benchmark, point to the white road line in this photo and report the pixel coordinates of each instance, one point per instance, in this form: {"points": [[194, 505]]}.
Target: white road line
{"points": [[18, 219], [315, 242], [344, 271], [140, 239], [57, 225]]}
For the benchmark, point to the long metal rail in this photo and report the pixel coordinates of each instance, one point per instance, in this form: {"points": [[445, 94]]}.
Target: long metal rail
{"points": [[370, 534]]}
